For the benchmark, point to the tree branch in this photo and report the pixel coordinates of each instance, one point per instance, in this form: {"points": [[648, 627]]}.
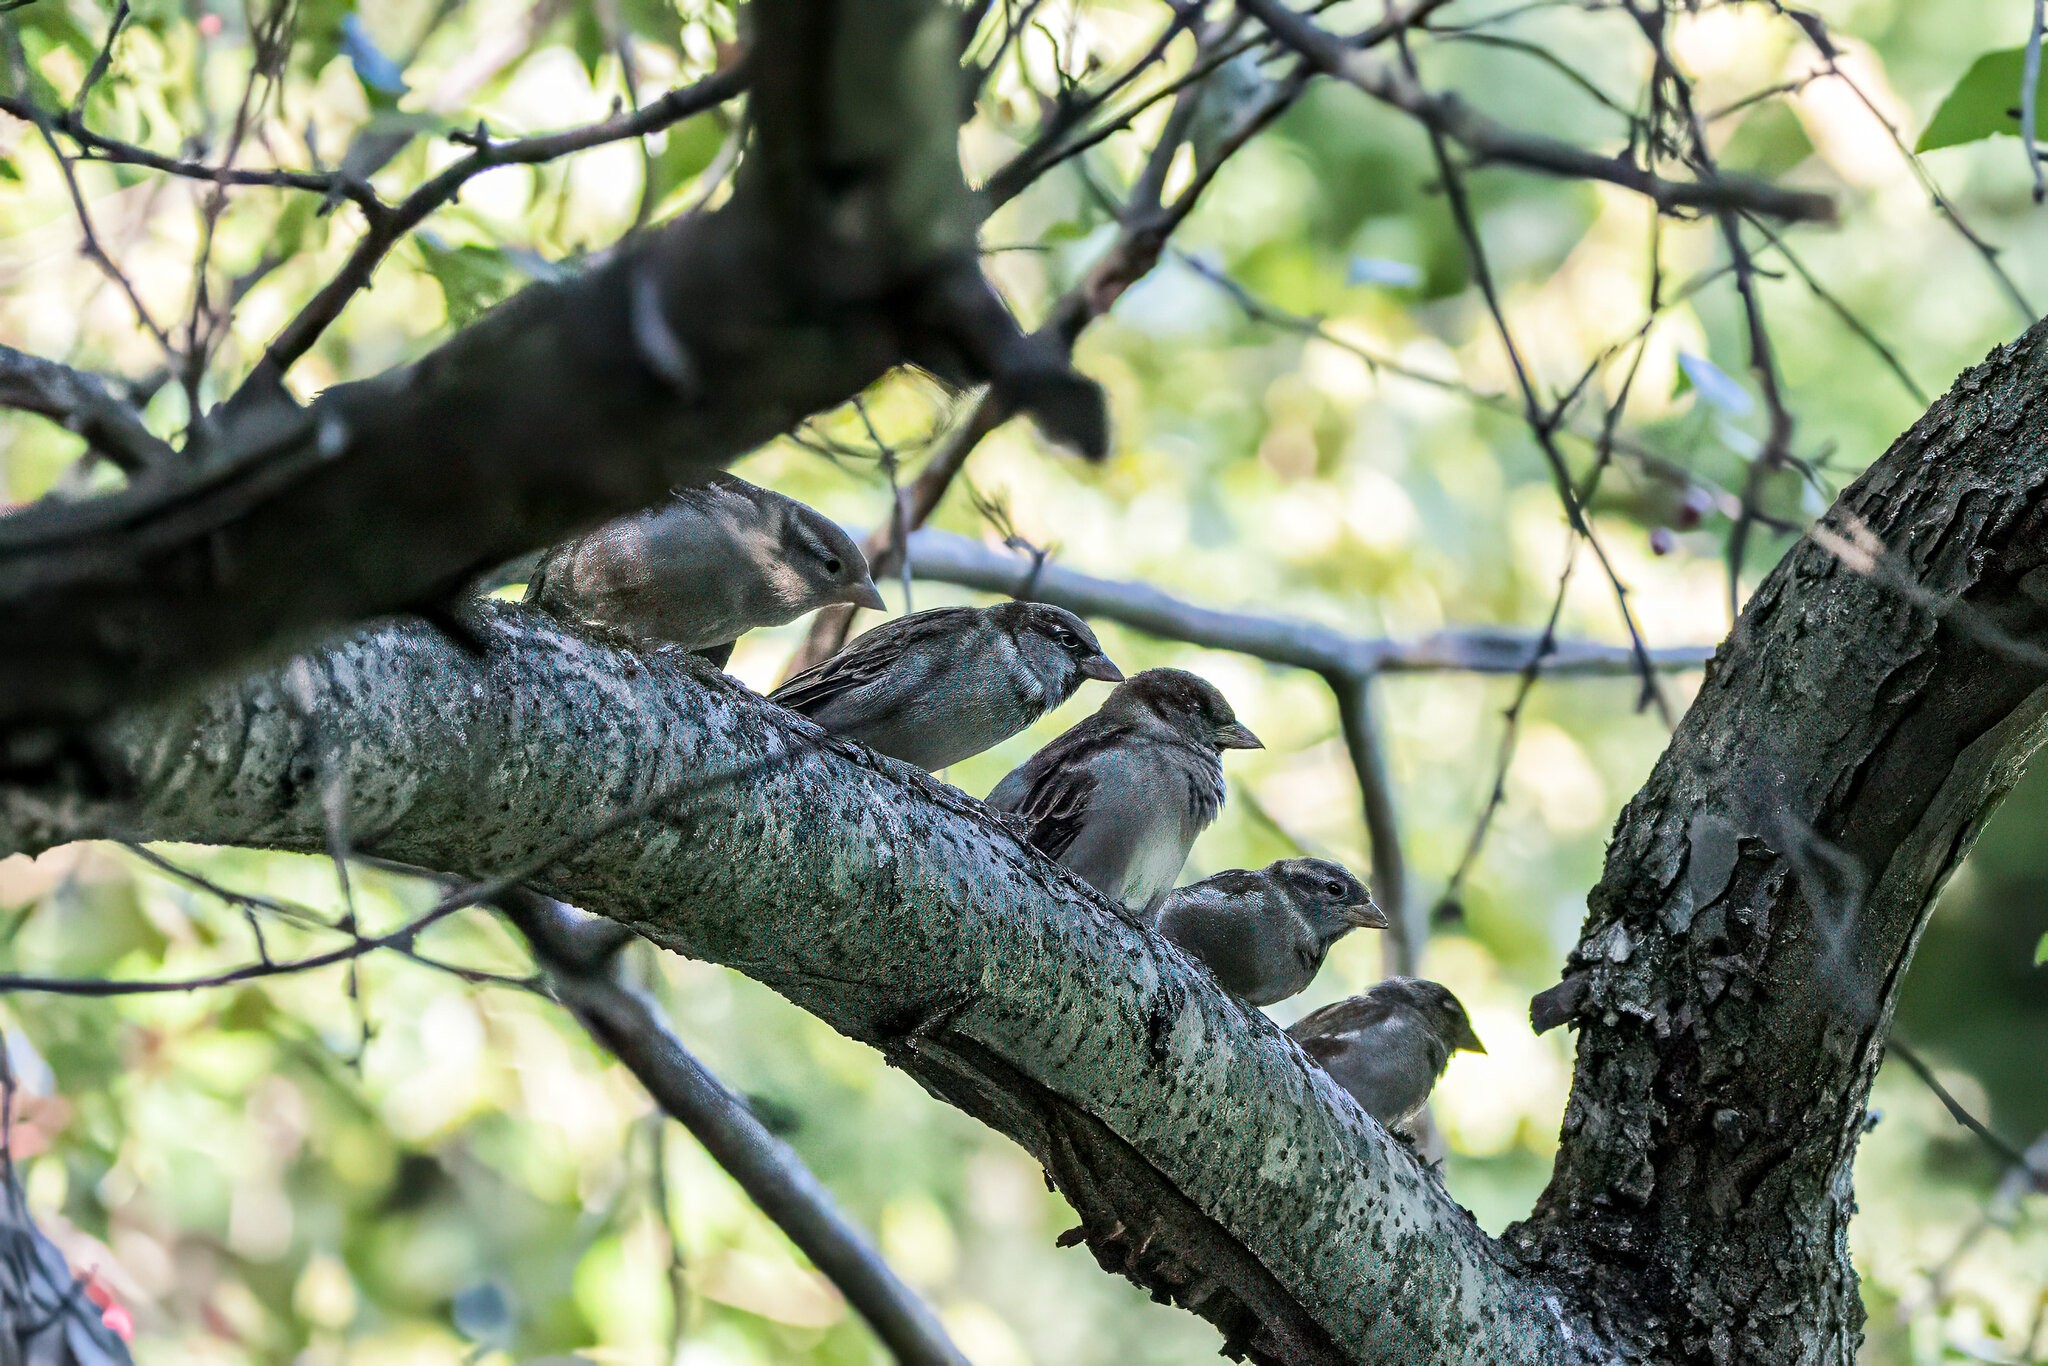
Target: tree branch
{"points": [[845, 251], [1736, 976], [947, 558], [632, 1029], [1196, 1142], [1490, 141], [83, 404]]}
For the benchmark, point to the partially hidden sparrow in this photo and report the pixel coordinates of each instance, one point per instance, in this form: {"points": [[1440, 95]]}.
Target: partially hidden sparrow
{"points": [[1263, 935], [1389, 1046], [936, 687], [708, 564]]}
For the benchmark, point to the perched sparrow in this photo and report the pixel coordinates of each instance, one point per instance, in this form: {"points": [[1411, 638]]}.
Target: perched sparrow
{"points": [[1120, 798], [937, 687], [712, 562], [1263, 934], [1388, 1047]]}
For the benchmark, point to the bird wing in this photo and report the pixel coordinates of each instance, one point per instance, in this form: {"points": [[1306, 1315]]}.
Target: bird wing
{"points": [[1229, 882], [1324, 1048], [1321, 1028], [1055, 806], [865, 659]]}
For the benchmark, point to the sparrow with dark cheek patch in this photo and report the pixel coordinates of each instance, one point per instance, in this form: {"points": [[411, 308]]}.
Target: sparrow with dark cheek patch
{"points": [[1389, 1046], [710, 563], [1120, 798], [1263, 935], [937, 687]]}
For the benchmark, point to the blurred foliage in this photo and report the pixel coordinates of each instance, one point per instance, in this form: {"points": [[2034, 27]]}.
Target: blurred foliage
{"points": [[399, 1164]]}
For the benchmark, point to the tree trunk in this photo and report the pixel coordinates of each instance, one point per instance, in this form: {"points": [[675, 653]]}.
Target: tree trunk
{"points": [[1764, 891]]}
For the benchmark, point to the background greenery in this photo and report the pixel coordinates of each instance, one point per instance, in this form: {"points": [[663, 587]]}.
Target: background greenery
{"points": [[402, 1165]]}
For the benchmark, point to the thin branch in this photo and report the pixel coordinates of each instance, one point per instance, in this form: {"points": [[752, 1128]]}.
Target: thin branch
{"points": [[1401, 945], [632, 1028], [1816, 31], [2007, 1154], [82, 403], [1542, 425], [388, 227], [89, 237], [97, 147], [1147, 223], [946, 558], [2030, 96], [1450, 117]]}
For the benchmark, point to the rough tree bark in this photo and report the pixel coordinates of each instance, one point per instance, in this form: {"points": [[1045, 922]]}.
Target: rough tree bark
{"points": [[1762, 899], [1764, 891], [892, 906]]}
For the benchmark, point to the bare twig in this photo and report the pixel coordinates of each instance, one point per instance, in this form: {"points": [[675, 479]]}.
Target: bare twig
{"points": [[2005, 1151], [1816, 31], [946, 558], [387, 228], [1449, 117], [1401, 945], [2030, 96]]}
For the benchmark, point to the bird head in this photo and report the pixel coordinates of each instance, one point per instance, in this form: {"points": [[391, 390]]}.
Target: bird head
{"points": [[825, 563], [1056, 644], [1434, 1004], [1334, 901], [1188, 705]]}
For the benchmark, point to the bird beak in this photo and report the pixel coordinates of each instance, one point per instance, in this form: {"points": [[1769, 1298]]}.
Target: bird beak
{"points": [[1100, 666], [1467, 1039], [1367, 916], [1237, 736], [865, 594]]}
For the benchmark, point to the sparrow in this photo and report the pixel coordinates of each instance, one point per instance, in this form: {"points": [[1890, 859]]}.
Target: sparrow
{"points": [[1120, 798], [937, 687], [1263, 935], [710, 563], [1389, 1046]]}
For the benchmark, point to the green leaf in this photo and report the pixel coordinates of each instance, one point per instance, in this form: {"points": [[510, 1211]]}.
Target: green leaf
{"points": [[472, 278], [2041, 952], [1985, 101]]}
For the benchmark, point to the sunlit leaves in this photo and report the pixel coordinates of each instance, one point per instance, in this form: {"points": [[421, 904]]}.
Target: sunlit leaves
{"points": [[1985, 101]]}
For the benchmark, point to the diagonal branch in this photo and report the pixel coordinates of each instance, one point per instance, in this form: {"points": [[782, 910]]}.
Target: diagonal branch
{"points": [[83, 403], [1195, 1141], [631, 1027]]}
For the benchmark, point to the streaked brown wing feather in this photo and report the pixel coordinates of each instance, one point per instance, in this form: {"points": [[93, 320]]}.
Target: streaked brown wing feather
{"points": [[1338, 1017], [865, 659], [1056, 807]]}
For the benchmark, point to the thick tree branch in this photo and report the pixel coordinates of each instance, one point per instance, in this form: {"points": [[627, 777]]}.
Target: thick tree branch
{"points": [[1488, 141], [1208, 1159], [632, 1029], [1736, 977], [846, 248]]}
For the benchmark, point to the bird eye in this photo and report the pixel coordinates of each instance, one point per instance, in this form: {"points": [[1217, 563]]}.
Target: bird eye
{"points": [[1334, 888], [832, 565]]}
